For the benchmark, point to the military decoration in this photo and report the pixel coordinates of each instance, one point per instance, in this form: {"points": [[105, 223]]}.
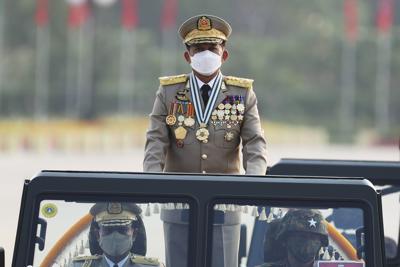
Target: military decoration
{"points": [[229, 136], [180, 133], [229, 112], [202, 135]]}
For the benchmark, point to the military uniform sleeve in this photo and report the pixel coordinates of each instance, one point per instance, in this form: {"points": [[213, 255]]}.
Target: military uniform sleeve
{"points": [[157, 139], [254, 144]]}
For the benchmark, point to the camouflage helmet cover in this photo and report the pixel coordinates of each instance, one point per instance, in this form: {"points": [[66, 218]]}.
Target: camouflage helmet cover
{"points": [[303, 220]]}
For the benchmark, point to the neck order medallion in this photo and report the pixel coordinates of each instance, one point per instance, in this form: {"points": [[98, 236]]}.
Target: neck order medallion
{"points": [[203, 116]]}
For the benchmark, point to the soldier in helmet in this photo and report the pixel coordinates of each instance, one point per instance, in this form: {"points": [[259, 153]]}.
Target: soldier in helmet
{"points": [[116, 233], [302, 233]]}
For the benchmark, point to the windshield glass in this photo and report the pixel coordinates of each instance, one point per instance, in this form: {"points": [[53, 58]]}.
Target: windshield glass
{"points": [[75, 233], [279, 235]]}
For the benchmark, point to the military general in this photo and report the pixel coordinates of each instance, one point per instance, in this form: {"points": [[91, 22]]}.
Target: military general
{"points": [[205, 122], [112, 237]]}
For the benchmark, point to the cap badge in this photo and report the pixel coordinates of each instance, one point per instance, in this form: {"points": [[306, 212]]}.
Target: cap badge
{"points": [[114, 208], [204, 24], [312, 223]]}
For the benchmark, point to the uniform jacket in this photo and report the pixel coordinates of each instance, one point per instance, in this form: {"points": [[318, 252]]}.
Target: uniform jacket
{"points": [[100, 261], [218, 155]]}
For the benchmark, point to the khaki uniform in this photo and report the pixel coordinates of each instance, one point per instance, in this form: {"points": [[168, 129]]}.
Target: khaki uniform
{"points": [[220, 154], [175, 145], [100, 261]]}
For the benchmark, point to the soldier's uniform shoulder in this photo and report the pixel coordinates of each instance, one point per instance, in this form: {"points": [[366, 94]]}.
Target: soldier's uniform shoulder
{"points": [[170, 80], [239, 82], [141, 260], [85, 261]]}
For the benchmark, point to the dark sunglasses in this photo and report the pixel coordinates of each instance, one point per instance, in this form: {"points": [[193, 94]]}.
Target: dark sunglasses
{"points": [[122, 229]]}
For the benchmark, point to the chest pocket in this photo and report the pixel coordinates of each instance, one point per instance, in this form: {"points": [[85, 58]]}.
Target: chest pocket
{"points": [[225, 137]]}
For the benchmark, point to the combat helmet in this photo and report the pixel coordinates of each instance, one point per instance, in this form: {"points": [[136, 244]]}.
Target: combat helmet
{"points": [[303, 220]]}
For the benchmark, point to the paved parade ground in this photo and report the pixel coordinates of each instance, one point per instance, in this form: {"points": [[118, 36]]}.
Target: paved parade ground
{"points": [[17, 166]]}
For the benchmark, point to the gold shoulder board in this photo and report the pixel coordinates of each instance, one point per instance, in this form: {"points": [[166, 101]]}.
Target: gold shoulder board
{"points": [[144, 260], [240, 82], [85, 258], [168, 80]]}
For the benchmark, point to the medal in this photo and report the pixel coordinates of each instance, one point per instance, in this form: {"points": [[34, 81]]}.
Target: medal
{"points": [[229, 136], [227, 117], [228, 106], [181, 118], [240, 108], [220, 113], [203, 115], [233, 117], [227, 111], [179, 143], [240, 117], [214, 117], [202, 135], [180, 133], [170, 120], [189, 122]]}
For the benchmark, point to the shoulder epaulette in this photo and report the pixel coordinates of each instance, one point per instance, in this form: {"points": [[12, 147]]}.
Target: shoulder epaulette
{"points": [[85, 258], [144, 260], [240, 82], [168, 80]]}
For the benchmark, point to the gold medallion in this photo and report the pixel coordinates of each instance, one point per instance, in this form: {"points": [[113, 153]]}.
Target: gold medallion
{"points": [[170, 120], [214, 117], [221, 106], [228, 106], [202, 135], [180, 133], [234, 117], [189, 122]]}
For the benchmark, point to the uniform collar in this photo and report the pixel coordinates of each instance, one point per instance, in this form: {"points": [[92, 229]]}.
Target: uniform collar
{"points": [[120, 264], [210, 83]]}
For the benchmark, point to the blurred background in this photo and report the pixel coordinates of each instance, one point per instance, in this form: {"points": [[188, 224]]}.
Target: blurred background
{"points": [[78, 79]]}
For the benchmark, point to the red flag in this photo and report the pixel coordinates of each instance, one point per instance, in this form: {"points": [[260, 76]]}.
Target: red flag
{"points": [[42, 14], [169, 14], [384, 18], [129, 17], [350, 11], [78, 14]]}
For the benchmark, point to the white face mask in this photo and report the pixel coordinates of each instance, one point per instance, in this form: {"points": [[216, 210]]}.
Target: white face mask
{"points": [[206, 62]]}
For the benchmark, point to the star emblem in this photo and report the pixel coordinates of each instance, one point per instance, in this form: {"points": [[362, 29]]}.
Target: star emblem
{"points": [[312, 223]]}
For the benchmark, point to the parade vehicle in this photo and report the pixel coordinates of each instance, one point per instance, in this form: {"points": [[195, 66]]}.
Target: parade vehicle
{"points": [[55, 227], [385, 175]]}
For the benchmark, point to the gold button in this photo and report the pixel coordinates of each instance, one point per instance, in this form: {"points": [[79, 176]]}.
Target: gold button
{"points": [[204, 156]]}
